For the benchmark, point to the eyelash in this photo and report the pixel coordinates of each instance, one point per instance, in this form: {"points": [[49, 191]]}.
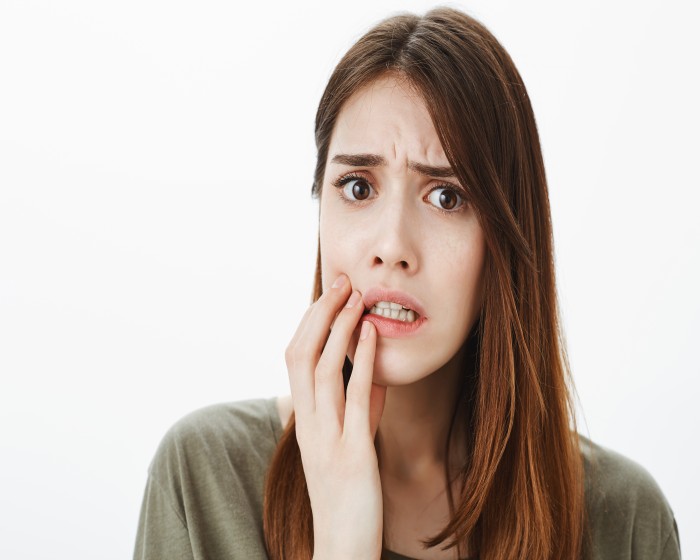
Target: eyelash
{"points": [[345, 179]]}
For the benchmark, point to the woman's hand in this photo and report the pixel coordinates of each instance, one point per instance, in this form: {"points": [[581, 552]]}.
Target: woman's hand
{"points": [[335, 433]]}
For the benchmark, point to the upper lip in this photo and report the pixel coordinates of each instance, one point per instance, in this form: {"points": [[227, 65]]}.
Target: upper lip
{"points": [[373, 295]]}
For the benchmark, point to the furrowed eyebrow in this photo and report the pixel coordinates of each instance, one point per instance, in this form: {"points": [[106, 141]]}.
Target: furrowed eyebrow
{"points": [[430, 171], [373, 160], [359, 160]]}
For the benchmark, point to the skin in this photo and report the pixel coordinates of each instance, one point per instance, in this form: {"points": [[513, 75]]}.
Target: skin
{"points": [[386, 229]]}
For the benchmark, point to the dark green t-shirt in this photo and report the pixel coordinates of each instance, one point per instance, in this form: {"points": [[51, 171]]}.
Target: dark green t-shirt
{"points": [[203, 497]]}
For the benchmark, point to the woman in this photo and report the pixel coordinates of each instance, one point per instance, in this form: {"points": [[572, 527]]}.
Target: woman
{"points": [[435, 297]]}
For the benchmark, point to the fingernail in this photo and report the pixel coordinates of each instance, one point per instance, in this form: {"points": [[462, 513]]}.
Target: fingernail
{"points": [[340, 281], [354, 298], [364, 333]]}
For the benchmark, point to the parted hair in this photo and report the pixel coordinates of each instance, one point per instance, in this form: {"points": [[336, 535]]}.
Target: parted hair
{"points": [[522, 487]]}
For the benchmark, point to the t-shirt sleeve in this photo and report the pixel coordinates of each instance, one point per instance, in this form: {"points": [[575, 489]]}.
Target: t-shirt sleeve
{"points": [[672, 547], [161, 534], [629, 516], [204, 494]]}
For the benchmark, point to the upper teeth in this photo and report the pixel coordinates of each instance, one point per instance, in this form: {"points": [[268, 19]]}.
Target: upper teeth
{"points": [[393, 310], [389, 304]]}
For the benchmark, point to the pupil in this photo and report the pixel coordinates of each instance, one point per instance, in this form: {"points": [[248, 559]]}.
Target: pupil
{"points": [[358, 189], [445, 202]]}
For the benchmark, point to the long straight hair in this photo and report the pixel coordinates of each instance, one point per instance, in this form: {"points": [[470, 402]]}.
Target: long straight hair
{"points": [[522, 488]]}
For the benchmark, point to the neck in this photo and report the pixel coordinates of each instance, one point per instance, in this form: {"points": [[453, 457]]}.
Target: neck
{"points": [[415, 424]]}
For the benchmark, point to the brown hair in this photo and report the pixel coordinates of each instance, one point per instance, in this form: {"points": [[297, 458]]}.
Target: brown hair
{"points": [[522, 487]]}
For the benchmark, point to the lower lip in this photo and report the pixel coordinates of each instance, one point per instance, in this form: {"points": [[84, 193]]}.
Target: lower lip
{"points": [[393, 328]]}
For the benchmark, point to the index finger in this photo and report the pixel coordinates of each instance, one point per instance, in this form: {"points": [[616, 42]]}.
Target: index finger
{"points": [[305, 349]]}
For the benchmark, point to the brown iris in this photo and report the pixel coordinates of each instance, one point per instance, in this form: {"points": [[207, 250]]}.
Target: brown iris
{"points": [[448, 199], [360, 190]]}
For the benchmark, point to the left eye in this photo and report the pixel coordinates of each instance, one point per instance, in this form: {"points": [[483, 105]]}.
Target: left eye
{"points": [[445, 198], [356, 189]]}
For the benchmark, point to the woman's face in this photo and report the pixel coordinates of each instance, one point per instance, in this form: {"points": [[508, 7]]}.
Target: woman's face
{"points": [[391, 219]]}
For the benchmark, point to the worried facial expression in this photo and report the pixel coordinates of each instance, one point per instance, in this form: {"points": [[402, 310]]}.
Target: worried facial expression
{"points": [[395, 219]]}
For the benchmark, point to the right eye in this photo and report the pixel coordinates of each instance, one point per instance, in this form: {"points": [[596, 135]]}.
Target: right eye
{"points": [[354, 188]]}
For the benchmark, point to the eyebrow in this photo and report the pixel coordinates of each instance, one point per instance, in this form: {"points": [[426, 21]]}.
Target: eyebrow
{"points": [[373, 160]]}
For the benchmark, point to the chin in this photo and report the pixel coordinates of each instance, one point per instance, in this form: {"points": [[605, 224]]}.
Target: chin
{"points": [[393, 369], [394, 376]]}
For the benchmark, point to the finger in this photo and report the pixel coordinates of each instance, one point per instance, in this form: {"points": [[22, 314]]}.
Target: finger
{"points": [[358, 407], [305, 349], [324, 313], [330, 398], [377, 398], [301, 326], [300, 385]]}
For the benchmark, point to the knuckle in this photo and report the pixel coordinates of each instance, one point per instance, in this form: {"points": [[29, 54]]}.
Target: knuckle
{"points": [[304, 352], [295, 356], [290, 356]]}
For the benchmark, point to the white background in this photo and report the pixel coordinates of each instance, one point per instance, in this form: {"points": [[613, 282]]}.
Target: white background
{"points": [[157, 234]]}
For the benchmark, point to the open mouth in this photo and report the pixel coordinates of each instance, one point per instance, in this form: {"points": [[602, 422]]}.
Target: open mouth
{"points": [[391, 310]]}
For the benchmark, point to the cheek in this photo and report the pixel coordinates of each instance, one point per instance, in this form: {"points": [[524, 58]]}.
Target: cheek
{"points": [[472, 275], [328, 248], [339, 247], [462, 270], [333, 262]]}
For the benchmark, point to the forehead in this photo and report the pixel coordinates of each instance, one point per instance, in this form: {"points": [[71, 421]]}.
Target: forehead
{"points": [[389, 118]]}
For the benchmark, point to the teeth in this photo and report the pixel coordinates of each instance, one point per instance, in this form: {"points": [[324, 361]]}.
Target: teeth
{"points": [[390, 305], [405, 315]]}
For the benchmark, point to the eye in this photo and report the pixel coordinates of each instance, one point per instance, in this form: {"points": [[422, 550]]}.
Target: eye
{"points": [[446, 198], [354, 188]]}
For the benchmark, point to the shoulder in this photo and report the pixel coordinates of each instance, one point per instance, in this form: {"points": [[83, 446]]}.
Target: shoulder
{"points": [[628, 514], [212, 439], [251, 417], [617, 483], [204, 496]]}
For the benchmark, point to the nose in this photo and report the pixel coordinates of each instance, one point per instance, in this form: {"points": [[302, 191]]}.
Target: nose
{"points": [[394, 239]]}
